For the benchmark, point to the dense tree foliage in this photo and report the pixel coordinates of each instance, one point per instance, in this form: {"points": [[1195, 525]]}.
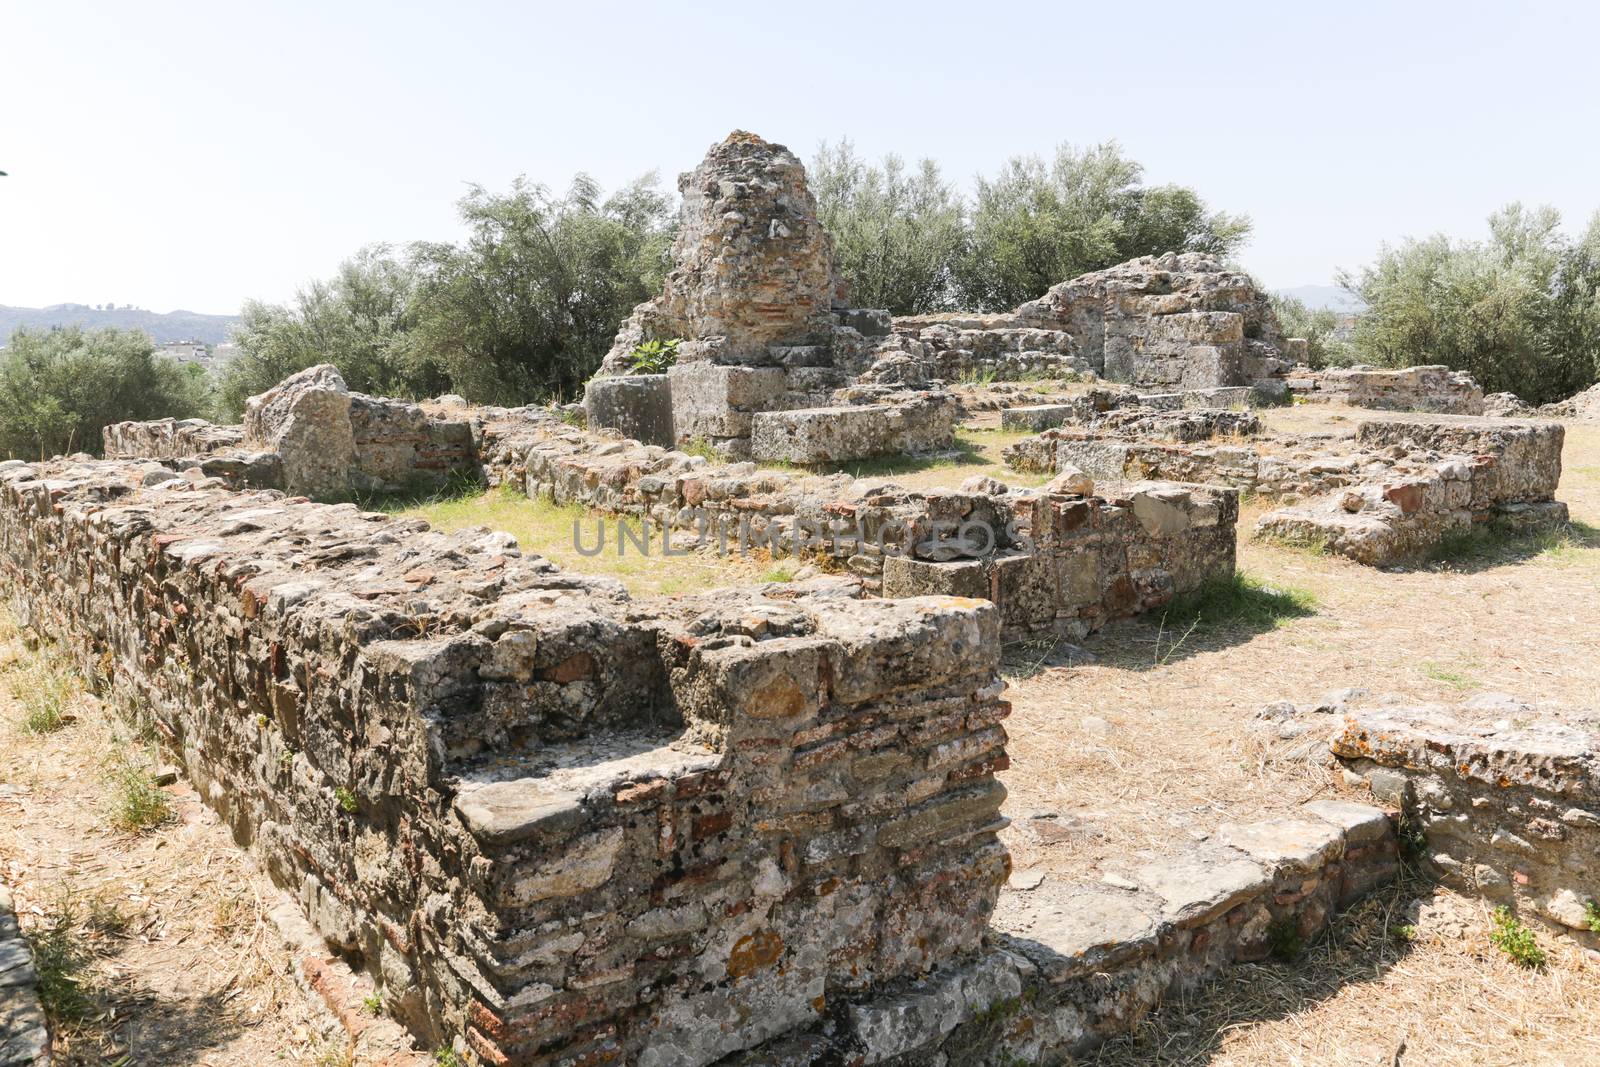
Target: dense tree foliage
{"points": [[522, 310], [363, 320], [908, 242], [1037, 224], [529, 304], [898, 232], [1520, 311], [1318, 326], [58, 388]]}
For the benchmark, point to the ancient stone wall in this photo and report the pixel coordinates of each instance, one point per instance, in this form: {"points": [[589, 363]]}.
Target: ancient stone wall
{"points": [[1061, 563], [1390, 490], [310, 434], [168, 439], [1502, 798], [1169, 322], [24, 1034], [1434, 388], [554, 824]]}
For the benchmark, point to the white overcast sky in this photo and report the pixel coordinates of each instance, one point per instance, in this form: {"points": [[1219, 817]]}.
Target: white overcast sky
{"points": [[194, 154]]}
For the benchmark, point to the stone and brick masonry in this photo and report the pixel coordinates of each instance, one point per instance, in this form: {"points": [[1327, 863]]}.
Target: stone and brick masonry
{"points": [[1503, 797], [553, 822], [558, 825], [1388, 491]]}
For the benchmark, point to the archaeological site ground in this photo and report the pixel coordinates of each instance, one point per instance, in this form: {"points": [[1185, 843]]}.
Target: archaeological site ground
{"points": [[1090, 683]]}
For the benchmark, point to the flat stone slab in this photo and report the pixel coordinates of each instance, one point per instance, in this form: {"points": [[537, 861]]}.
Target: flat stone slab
{"points": [[1071, 931], [24, 1034], [1197, 884]]}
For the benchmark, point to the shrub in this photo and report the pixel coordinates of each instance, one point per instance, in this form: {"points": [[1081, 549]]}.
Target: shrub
{"points": [[1520, 311], [1514, 939], [59, 388], [654, 357]]}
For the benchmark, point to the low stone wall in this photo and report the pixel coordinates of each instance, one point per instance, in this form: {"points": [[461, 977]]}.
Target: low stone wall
{"points": [[24, 1033], [555, 825], [1073, 965], [1434, 388], [1054, 562], [311, 435], [1504, 798], [168, 439], [917, 423], [1392, 489]]}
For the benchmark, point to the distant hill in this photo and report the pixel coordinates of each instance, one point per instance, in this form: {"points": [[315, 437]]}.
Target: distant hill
{"points": [[162, 327], [1325, 296]]}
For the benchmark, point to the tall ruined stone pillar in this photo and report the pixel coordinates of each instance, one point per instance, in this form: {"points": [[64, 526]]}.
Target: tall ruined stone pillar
{"points": [[751, 295]]}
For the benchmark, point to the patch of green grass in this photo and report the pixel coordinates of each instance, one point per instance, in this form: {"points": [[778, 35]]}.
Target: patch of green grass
{"points": [[347, 800], [1513, 938], [1489, 543], [1241, 600], [444, 1056], [138, 804], [62, 959], [1403, 932], [781, 571], [1454, 678], [1591, 916], [45, 694], [373, 1003]]}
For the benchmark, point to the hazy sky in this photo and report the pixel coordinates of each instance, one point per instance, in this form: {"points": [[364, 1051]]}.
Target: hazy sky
{"points": [[191, 155]]}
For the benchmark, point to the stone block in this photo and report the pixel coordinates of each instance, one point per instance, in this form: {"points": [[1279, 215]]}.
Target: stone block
{"points": [[638, 406]]}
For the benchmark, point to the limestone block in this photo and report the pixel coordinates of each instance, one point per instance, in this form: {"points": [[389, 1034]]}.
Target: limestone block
{"points": [[639, 406]]}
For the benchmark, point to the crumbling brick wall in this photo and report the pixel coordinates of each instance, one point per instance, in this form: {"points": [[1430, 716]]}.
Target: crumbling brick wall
{"points": [[1502, 798], [550, 821]]}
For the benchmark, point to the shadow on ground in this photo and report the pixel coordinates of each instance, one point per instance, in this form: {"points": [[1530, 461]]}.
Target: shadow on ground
{"points": [[1188, 1029], [1222, 613], [1488, 546]]}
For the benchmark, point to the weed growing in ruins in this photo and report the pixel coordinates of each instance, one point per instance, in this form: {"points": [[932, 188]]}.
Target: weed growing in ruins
{"points": [[105, 915], [1510, 936], [654, 357], [1413, 841], [373, 1003], [444, 1056], [1284, 941], [347, 800], [783, 571], [60, 958], [1591, 916], [138, 804], [702, 448], [1455, 679]]}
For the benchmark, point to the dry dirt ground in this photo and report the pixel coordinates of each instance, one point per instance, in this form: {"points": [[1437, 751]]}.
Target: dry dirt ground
{"points": [[1141, 746], [161, 932]]}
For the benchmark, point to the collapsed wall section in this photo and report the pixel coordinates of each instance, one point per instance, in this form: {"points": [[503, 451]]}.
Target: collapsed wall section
{"points": [[554, 824]]}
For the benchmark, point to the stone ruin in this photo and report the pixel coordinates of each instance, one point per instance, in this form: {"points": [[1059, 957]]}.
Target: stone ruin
{"points": [[1504, 797], [773, 365], [1060, 561], [757, 827], [311, 435], [557, 825], [1387, 491], [1431, 388]]}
